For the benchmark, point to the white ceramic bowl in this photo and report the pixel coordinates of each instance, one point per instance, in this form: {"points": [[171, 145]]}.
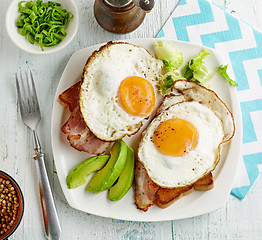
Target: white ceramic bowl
{"points": [[21, 42]]}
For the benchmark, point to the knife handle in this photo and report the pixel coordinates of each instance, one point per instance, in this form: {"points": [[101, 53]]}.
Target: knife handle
{"points": [[51, 221]]}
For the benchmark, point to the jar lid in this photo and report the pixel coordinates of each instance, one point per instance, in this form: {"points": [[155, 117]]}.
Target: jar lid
{"points": [[118, 3]]}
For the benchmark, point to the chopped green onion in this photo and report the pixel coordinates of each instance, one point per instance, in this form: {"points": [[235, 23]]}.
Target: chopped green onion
{"points": [[223, 71], [31, 38], [19, 22], [23, 32], [42, 22]]}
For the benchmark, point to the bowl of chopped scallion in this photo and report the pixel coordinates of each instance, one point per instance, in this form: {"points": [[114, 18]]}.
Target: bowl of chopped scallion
{"points": [[42, 26]]}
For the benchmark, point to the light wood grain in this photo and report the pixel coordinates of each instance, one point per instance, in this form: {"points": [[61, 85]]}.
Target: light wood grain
{"points": [[238, 219]]}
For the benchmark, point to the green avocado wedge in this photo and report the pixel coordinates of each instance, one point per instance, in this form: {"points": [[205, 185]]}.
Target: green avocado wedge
{"points": [[125, 179], [80, 173], [107, 176]]}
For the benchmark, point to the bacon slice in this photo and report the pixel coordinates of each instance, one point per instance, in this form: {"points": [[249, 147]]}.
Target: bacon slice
{"points": [[145, 188], [79, 136]]}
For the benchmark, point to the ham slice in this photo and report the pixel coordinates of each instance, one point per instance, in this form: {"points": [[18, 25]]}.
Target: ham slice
{"points": [[79, 136], [145, 188]]}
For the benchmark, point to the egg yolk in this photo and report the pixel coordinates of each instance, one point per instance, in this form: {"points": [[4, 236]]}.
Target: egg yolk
{"points": [[136, 95], [175, 137]]}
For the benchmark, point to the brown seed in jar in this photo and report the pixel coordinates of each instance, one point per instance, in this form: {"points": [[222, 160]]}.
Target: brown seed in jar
{"points": [[9, 206]]}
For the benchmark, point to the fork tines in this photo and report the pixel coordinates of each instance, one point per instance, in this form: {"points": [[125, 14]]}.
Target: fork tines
{"points": [[27, 98], [26, 91]]}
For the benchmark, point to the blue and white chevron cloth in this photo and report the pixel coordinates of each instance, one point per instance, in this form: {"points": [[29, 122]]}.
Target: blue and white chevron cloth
{"points": [[202, 22]]}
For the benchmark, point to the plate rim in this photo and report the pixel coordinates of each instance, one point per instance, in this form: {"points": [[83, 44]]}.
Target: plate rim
{"points": [[236, 140]]}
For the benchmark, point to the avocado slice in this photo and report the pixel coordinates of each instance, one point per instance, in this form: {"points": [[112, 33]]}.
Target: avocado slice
{"points": [[79, 174], [125, 179], [107, 176]]}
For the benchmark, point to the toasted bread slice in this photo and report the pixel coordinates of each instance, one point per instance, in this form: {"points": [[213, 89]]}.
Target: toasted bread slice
{"points": [[205, 183], [167, 196], [69, 98]]}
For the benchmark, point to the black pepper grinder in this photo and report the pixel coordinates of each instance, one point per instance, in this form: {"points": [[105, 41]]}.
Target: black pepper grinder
{"points": [[121, 16]]}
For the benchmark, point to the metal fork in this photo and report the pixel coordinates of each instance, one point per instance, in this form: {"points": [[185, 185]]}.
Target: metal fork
{"points": [[31, 116]]}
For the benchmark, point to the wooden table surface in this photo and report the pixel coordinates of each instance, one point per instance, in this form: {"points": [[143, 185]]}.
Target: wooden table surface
{"points": [[238, 219]]}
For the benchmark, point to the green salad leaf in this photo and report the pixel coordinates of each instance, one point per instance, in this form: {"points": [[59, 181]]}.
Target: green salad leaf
{"points": [[171, 57], [223, 71], [196, 70], [166, 81]]}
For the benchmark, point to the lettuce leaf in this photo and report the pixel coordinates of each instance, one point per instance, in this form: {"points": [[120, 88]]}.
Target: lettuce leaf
{"points": [[166, 82], [223, 71], [195, 69], [171, 57]]}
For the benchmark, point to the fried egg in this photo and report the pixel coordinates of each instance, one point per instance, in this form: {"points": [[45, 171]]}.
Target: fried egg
{"points": [[119, 90], [183, 143]]}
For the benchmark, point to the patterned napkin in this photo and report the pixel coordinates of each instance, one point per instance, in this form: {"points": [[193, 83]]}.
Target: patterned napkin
{"points": [[202, 22]]}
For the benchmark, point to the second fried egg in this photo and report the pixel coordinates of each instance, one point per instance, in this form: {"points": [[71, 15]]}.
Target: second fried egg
{"points": [[183, 143]]}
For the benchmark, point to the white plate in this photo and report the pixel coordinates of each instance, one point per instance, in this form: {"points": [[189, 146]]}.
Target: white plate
{"points": [[194, 204]]}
